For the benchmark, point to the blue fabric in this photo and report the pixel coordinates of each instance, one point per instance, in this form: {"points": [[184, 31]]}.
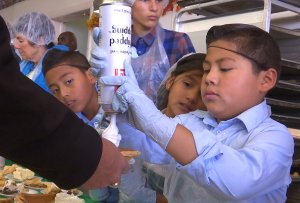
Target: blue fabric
{"points": [[245, 159], [27, 66], [176, 44]]}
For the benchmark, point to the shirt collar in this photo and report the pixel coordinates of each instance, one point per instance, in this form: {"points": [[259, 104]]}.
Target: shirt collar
{"points": [[148, 39], [85, 120], [257, 114]]}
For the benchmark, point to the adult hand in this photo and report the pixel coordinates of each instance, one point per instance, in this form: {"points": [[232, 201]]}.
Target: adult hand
{"points": [[112, 164], [145, 116], [98, 55]]}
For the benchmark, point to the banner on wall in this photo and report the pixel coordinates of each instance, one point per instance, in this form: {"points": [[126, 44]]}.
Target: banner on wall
{"points": [[8, 3]]}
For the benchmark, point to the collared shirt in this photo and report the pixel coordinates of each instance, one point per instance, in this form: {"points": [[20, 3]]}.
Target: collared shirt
{"points": [[245, 159], [95, 121], [176, 44]]}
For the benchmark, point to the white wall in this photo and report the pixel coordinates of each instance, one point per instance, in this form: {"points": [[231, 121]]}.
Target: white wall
{"points": [[44, 6], [52, 8], [79, 28]]}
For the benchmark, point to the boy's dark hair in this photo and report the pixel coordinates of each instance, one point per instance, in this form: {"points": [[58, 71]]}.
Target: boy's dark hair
{"points": [[185, 64], [55, 57], [251, 42]]}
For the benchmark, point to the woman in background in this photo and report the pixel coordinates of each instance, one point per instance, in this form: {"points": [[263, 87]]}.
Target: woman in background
{"points": [[34, 32]]}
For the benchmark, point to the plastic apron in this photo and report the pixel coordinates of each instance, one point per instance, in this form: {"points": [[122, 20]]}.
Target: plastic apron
{"points": [[35, 73], [151, 67]]}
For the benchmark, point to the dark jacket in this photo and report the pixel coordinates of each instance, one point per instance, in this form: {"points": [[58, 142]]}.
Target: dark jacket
{"points": [[38, 132]]}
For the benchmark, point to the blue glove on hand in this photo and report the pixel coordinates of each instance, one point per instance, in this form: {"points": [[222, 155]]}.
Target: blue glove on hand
{"points": [[98, 56], [144, 114], [133, 186], [97, 61]]}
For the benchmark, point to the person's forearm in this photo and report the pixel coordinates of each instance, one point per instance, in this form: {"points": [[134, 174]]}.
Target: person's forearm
{"points": [[110, 167], [182, 146]]}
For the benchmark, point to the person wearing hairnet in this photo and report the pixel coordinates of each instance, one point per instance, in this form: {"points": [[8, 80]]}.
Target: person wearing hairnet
{"points": [[34, 32], [157, 48]]}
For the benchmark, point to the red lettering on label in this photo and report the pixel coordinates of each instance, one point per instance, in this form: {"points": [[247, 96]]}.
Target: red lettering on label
{"points": [[116, 72], [122, 72]]}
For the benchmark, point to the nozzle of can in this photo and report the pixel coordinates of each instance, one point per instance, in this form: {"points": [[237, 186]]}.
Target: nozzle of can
{"points": [[111, 133]]}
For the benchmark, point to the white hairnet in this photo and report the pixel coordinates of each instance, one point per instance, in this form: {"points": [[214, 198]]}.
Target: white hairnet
{"points": [[131, 2], [10, 28], [36, 27]]}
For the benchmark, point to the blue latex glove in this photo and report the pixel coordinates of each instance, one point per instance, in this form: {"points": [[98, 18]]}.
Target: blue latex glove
{"points": [[98, 56], [144, 114], [133, 186]]}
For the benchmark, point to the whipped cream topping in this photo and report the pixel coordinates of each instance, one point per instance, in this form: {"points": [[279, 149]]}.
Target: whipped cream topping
{"points": [[63, 197], [11, 185], [111, 133]]}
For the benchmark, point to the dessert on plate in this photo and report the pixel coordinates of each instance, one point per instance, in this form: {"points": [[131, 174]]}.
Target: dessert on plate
{"points": [[37, 198], [129, 153], [23, 174], [8, 200], [53, 189], [36, 183], [19, 199], [10, 169], [2, 183], [63, 197], [2, 177], [11, 188]]}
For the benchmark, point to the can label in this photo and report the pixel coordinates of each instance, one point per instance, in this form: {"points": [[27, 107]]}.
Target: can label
{"points": [[115, 41]]}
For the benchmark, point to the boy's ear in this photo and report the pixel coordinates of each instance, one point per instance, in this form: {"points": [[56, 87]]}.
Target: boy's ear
{"points": [[269, 79], [92, 79], [170, 82]]}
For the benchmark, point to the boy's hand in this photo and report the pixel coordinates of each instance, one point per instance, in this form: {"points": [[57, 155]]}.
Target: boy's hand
{"points": [[145, 116]]}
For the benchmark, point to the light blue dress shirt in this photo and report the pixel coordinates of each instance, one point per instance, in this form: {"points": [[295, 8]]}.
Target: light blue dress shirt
{"points": [[246, 159], [95, 121]]}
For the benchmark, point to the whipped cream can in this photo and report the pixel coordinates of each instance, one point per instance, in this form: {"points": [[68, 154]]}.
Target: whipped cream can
{"points": [[115, 40]]}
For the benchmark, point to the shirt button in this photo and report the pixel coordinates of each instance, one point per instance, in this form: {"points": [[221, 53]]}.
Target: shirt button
{"points": [[142, 39], [219, 131], [140, 52]]}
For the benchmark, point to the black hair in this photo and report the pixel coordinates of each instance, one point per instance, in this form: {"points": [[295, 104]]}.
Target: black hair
{"points": [[186, 64], [253, 43], [55, 57], [50, 45]]}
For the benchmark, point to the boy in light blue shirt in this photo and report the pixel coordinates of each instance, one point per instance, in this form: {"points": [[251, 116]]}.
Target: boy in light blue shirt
{"points": [[68, 76], [234, 152]]}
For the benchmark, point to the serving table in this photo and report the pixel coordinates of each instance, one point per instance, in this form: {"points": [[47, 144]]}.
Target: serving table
{"points": [[86, 198]]}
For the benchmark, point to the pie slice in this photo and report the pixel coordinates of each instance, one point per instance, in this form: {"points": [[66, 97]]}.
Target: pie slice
{"points": [[36, 182], [39, 198], [8, 200], [19, 199], [129, 153]]}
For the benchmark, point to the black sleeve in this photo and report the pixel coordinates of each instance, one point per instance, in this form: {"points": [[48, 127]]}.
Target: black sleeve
{"points": [[39, 132]]}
